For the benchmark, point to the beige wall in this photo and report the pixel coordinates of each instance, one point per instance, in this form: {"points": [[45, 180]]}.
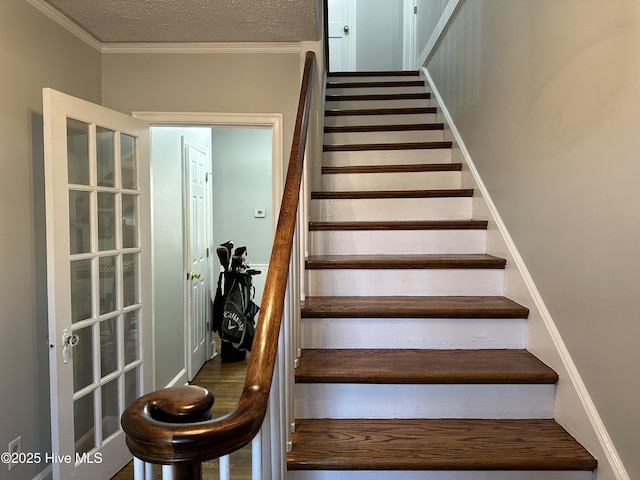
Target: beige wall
{"points": [[34, 53], [545, 94]]}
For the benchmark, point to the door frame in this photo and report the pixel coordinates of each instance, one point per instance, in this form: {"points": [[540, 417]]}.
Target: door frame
{"points": [[215, 119]]}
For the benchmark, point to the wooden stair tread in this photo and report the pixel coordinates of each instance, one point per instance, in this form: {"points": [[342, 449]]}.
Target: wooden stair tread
{"points": [[435, 444], [380, 111], [361, 194], [378, 96], [412, 261], [426, 366], [383, 128], [412, 307], [384, 84], [373, 73], [350, 147], [401, 225], [407, 168]]}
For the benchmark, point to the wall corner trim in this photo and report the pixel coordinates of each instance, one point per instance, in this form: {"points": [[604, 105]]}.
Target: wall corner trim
{"points": [[614, 463]]}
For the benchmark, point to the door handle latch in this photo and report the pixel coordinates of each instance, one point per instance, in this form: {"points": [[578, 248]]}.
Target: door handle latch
{"points": [[69, 340], [345, 29]]}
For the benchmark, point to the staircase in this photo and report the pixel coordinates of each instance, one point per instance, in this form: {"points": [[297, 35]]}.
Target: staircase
{"points": [[413, 363]]}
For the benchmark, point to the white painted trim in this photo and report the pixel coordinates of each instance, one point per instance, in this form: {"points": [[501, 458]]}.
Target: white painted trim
{"points": [[439, 29], [614, 463], [180, 379], [44, 473], [214, 47], [273, 120], [67, 24], [409, 36]]}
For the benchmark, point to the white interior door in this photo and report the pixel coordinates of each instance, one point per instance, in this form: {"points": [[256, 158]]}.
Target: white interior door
{"points": [[342, 46], [98, 280], [196, 161]]}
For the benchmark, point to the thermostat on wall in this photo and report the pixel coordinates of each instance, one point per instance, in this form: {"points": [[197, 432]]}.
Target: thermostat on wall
{"points": [[260, 213]]}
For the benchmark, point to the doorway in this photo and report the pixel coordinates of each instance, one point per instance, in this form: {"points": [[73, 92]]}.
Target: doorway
{"points": [[244, 178], [371, 35]]}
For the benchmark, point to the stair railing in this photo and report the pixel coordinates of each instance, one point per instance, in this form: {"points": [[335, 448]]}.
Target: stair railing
{"points": [[173, 427]]}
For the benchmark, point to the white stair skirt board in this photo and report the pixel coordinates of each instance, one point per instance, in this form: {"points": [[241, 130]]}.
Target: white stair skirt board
{"points": [[342, 138], [436, 475], [372, 90], [351, 120], [391, 181], [438, 333], [349, 104], [384, 209], [405, 282], [386, 157], [352, 400], [397, 242]]}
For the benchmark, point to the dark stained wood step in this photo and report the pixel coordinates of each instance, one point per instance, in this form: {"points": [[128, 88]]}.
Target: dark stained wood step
{"points": [[409, 168], [413, 261], [384, 84], [372, 73], [427, 366], [435, 444], [344, 195], [412, 307], [361, 147], [383, 128], [402, 225], [378, 96], [379, 111]]}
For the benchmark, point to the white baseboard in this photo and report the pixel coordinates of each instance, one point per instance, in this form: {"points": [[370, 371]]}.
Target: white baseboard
{"points": [[44, 474], [179, 380], [574, 408]]}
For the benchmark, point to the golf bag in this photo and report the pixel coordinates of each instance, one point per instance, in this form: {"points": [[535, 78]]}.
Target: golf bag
{"points": [[233, 308]]}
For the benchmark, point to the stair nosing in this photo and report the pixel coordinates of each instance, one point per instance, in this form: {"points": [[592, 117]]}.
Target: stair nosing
{"points": [[378, 97], [437, 306], [373, 73], [359, 147], [380, 111], [436, 444], [376, 84], [422, 367], [382, 128], [370, 194], [400, 225], [401, 168], [404, 262]]}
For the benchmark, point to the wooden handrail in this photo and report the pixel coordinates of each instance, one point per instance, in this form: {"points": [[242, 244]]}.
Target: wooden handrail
{"points": [[152, 435]]}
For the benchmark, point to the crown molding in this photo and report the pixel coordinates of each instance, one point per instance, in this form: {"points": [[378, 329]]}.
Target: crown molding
{"points": [[217, 47], [67, 24]]}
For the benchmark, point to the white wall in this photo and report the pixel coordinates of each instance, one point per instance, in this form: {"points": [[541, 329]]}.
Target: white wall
{"points": [[34, 53], [545, 95], [429, 12]]}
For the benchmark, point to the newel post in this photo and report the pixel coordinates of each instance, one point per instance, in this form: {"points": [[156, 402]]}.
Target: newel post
{"points": [[179, 405]]}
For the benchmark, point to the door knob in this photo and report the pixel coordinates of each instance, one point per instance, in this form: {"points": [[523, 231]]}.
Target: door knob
{"points": [[194, 275], [345, 29], [69, 340]]}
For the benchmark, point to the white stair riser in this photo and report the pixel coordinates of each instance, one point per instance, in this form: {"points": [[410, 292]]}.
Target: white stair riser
{"points": [[353, 400], [396, 242], [351, 120], [342, 104], [387, 157], [438, 333], [368, 90], [342, 138], [436, 475], [391, 181], [405, 282], [387, 209]]}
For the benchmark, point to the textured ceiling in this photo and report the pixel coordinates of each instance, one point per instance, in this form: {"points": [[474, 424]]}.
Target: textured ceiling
{"points": [[187, 21]]}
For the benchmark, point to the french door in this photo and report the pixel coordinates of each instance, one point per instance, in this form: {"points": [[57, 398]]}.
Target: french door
{"points": [[98, 280]]}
